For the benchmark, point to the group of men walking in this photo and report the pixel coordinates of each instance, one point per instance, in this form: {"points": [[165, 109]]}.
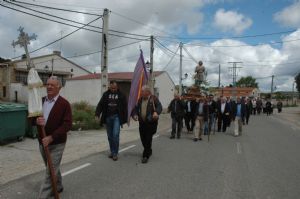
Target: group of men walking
{"points": [[204, 115]]}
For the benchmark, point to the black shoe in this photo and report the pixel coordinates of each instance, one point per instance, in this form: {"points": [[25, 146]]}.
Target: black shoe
{"points": [[172, 137], [200, 138], [110, 156], [115, 158], [195, 139], [144, 160], [178, 137], [59, 191]]}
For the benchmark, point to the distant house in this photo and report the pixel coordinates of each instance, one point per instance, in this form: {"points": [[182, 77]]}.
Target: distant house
{"points": [[13, 76], [238, 91], [88, 87]]}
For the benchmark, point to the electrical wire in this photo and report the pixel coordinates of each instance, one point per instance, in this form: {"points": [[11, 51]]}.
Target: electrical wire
{"points": [[235, 37], [166, 66], [133, 34], [145, 25], [69, 24], [189, 54], [60, 9]]}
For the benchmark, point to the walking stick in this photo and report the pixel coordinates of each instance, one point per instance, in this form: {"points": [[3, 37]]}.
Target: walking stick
{"points": [[49, 163]]}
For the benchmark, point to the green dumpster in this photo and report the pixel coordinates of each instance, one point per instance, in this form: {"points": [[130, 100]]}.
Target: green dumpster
{"points": [[13, 119]]}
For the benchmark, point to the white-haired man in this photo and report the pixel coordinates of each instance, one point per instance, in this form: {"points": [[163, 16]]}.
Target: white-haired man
{"points": [[146, 112]]}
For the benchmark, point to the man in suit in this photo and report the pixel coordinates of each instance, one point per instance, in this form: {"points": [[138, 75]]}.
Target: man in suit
{"points": [[147, 112], [189, 118], [113, 110], [223, 114], [212, 112], [176, 108], [57, 121], [239, 111], [202, 113]]}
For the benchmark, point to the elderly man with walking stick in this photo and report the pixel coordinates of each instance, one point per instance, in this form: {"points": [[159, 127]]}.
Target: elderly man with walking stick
{"points": [[53, 125]]}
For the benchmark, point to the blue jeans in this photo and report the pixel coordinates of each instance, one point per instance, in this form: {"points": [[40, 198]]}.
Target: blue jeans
{"points": [[113, 133]]}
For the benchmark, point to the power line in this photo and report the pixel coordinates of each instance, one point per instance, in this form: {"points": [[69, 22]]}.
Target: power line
{"points": [[141, 23], [190, 55], [61, 37], [164, 68], [87, 54], [75, 21], [235, 37], [52, 8], [242, 45], [134, 38]]}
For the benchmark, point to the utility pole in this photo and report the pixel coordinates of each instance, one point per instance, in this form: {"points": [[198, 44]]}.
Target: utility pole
{"points": [[272, 86], [180, 70], [104, 68], [23, 41], [219, 84], [293, 93], [52, 67], [234, 75], [151, 78]]}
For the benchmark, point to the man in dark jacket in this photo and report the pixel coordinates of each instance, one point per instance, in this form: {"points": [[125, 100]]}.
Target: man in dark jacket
{"points": [[113, 109], [176, 108], [189, 117], [223, 114], [239, 111], [212, 112], [146, 112], [202, 114]]}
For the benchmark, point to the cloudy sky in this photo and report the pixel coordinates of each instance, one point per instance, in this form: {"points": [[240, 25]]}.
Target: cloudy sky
{"points": [[262, 34]]}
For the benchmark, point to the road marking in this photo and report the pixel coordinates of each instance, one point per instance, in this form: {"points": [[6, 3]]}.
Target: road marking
{"points": [[295, 129], [156, 136], [126, 148], [76, 169], [239, 148]]}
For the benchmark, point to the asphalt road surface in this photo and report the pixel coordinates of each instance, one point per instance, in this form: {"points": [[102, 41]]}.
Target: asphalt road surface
{"points": [[262, 163]]}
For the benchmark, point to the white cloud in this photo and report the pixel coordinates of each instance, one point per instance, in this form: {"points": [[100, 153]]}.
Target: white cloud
{"points": [[231, 21], [289, 16], [159, 16]]}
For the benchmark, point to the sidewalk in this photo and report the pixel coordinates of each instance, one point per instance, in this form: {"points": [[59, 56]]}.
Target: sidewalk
{"points": [[290, 115], [23, 158]]}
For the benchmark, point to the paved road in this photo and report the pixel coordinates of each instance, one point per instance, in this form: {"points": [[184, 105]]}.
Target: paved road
{"points": [[263, 163]]}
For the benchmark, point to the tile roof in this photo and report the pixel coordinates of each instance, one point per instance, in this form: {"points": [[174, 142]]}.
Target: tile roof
{"points": [[112, 76]]}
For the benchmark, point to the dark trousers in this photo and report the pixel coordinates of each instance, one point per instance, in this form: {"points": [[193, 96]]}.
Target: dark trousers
{"points": [[176, 126], [222, 121], [247, 117], [189, 121], [147, 130]]}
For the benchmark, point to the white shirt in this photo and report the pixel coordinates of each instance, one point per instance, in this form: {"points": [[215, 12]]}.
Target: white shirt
{"points": [[223, 107], [47, 107]]}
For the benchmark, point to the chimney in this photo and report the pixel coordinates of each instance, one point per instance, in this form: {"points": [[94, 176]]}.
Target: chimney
{"points": [[56, 52]]}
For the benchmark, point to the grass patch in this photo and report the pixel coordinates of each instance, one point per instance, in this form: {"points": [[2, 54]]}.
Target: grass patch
{"points": [[84, 116]]}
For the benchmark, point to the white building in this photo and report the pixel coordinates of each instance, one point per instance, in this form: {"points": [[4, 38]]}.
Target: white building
{"points": [[87, 88], [14, 85]]}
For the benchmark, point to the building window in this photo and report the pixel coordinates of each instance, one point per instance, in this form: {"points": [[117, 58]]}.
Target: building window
{"points": [[4, 91], [21, 77]]}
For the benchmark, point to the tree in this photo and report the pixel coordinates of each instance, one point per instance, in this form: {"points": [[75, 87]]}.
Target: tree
{"points": [[248, 81], [297, 79]]}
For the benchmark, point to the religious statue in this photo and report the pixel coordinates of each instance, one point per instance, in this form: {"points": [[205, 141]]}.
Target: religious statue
{"points": [[199, 76]]}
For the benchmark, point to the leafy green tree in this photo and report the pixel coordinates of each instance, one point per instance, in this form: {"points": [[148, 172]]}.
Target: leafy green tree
{"points": [[297, 79], [248, 81]]}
